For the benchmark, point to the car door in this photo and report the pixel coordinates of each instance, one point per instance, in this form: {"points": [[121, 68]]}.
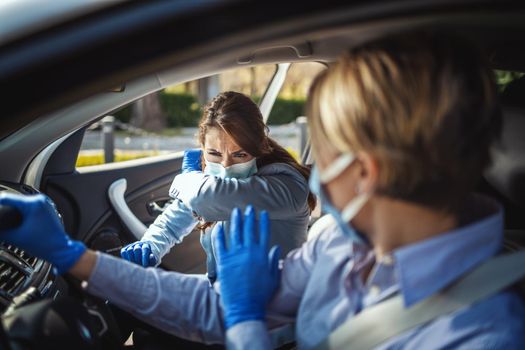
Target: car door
{"points": [[106, 205]]}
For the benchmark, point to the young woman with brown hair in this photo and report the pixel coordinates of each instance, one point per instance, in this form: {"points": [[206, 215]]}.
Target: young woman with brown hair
{"points": [[238, 164]]}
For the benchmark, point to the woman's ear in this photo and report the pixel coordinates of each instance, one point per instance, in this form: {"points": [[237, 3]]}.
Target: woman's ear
{"points": [[368, 173]]}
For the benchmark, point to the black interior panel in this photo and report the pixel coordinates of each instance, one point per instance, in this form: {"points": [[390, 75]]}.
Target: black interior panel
{"points": [[82, 199]]}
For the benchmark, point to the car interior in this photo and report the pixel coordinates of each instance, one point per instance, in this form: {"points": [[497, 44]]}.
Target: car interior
{"points": [[108, 206]]}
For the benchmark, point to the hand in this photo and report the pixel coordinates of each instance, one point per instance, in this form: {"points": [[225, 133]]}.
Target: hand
{"points": [[192, 160], [41, 233], [248, 275], [139, 253]]}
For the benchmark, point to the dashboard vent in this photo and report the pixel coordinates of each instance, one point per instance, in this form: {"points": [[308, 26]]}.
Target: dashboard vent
{"points": [[16, 267]]}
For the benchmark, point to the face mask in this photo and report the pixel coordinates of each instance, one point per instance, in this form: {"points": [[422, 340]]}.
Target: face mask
{"points": [[317, 180], [237, 171]]}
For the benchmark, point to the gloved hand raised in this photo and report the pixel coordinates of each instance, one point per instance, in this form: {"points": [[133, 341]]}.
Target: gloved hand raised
{"points": [[139, 253], [248, 275], [41, 233], [192, 160]]}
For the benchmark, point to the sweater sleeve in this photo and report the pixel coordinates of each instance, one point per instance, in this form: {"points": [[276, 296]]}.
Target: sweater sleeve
{"points": [[282, 193], [169, 228]]}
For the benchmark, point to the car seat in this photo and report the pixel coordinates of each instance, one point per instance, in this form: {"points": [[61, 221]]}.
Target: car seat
{"points": [[505, 178]]}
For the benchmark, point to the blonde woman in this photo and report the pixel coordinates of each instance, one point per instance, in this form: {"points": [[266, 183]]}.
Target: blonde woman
{"points": [[401, 130]]}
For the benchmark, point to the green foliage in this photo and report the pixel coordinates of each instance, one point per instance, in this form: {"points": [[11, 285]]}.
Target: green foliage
{"points": [[183, 110], [123, 114], [285, 111], [503, 78]]}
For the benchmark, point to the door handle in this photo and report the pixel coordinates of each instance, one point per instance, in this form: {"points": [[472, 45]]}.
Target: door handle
{"points": [[155, 208], [116, 196]]}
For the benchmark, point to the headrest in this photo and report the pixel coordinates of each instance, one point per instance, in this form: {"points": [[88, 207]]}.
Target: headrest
{"points": [[507, 172]]}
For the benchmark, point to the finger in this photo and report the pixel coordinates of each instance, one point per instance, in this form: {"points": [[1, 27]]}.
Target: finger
{"points": [[129, 252], [17, 201], [124, 253], [146, 252], [236, 228], [264, 230], [197, 160], [220, 243], [152, 260], [249, 226], [137, 254]]}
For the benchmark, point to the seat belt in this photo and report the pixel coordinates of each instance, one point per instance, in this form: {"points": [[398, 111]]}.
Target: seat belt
{"points": [[378, 323]]}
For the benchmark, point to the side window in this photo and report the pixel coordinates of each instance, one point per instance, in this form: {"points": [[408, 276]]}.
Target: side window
{"points": [[286, 121], [165, 121]]}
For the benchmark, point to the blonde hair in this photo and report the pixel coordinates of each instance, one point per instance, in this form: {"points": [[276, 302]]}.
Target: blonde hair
{"points": [[424, 105]]}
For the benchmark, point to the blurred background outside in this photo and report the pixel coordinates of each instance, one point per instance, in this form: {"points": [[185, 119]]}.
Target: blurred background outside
{"points": [[167, 121]]}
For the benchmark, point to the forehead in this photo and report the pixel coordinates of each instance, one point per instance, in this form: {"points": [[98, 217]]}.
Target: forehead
{"points": [[219, 140]]}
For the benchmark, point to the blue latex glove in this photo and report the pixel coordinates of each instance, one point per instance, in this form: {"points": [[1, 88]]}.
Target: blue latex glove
{"points": [[41, 233], [248, 275], [192, 160], [139, 253]]}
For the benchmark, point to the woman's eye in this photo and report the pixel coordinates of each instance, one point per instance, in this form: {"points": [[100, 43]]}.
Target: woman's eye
{"points": [[241, 155], [214, 154]]}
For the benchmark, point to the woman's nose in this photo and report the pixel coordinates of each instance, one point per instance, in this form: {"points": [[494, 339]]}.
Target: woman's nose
{"points": [[226, 162]]}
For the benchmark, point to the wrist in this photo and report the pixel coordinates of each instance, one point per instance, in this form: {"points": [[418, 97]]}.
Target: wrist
{"points": [[84, 266], [65, 256], [233, 318]]}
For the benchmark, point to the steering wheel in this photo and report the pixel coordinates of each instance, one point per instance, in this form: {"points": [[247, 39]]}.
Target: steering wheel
{"points": [[71, 318]]}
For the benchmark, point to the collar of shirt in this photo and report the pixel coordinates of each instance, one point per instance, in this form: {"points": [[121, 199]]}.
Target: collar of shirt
{"points": [[428, 266], [382, 280]]}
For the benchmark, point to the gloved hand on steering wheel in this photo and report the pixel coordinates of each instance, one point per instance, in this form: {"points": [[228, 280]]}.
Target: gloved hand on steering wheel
{"points": [[41, 232], [248, 274], [139, 253], [192, 160]]}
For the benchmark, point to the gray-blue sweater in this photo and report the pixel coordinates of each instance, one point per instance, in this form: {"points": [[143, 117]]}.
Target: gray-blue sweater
{"points": [[277, 188]]}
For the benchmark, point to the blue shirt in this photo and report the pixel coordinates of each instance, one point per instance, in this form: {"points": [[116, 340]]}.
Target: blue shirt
{"points": [[321, 287]]}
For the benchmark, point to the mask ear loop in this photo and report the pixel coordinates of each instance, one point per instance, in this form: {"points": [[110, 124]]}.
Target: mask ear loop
{"points": [[354, 206], [336, 168]]}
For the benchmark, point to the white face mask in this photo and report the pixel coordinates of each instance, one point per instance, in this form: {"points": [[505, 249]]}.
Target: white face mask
{"points": [[335, 169], [238, 171], [352, 208]]}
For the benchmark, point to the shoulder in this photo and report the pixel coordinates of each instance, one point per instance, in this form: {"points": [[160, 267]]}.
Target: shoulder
{"points": [[280, 169], [502, 315], [326, 236], [497, 322], [326, 224], [285, 174]]}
